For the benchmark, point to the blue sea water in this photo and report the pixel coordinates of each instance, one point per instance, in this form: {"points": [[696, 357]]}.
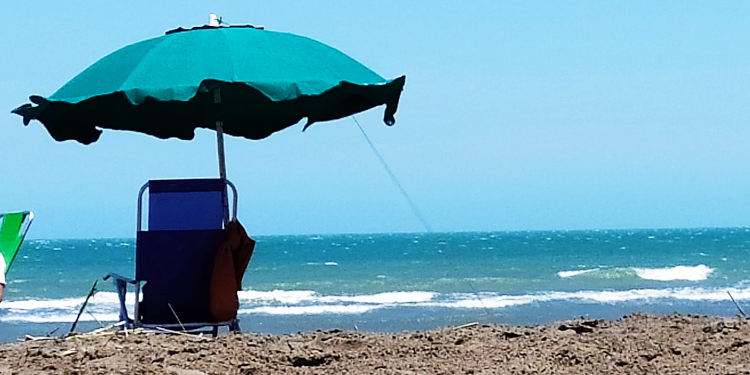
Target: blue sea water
{"points": [[394, 282]]}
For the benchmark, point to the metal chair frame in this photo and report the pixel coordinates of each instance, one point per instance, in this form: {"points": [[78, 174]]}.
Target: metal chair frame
{"points": [[121, 281]]}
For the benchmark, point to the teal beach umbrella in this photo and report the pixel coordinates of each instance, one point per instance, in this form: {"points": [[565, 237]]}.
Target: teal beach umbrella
{"points": [[240, 80]]}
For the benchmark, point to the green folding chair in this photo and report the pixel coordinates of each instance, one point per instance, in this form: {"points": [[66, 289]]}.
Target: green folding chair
{"points": [[13, 228]]}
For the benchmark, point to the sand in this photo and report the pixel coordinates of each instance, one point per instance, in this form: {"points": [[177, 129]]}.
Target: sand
{"points": [[635, 344]]}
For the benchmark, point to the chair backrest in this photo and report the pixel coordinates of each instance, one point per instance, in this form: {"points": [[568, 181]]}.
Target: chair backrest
{"points": [[185, 204], [12, 233]]}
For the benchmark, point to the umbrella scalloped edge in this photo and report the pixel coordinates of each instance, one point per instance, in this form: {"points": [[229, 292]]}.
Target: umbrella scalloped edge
{"points": [[245, 111]]}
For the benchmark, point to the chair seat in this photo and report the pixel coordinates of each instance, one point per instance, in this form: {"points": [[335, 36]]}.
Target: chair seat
{"points": [[176, 266]]}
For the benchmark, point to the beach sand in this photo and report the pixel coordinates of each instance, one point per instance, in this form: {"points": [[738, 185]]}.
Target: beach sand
{"points": [[635, 344]]}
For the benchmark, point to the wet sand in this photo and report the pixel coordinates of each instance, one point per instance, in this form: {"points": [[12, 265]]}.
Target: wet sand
{"points": [[635, 344]]}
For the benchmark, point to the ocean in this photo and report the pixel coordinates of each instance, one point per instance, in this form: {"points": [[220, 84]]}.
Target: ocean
{"points": [[396, 282]]}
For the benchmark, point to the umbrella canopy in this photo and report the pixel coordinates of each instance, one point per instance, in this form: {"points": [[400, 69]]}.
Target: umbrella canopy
{"points": [[253, 81]]}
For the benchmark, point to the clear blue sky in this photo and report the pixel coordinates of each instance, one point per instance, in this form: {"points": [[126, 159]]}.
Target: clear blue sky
{"points": [[516, 115]]}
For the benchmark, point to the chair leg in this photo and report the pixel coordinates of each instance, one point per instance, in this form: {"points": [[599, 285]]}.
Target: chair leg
{"points": [[215, 331], [235, 326], [122, 290]]}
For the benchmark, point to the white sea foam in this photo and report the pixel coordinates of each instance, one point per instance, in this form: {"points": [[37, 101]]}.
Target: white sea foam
{"points": [[290, 297], [331, 264], [676, 273], [59, 317], [485, 301], [388, 298], [101, 298], [42, 304], [489, 301], [104, 306], [695, 273], [310, 310], [280, 296], [566, 274]]}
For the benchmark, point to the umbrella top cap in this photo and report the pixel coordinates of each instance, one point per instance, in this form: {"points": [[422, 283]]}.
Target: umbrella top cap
{"points": [[214, 20]]}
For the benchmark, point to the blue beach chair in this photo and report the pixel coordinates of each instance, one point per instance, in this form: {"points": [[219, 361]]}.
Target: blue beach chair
{"points": [[175, 255]]}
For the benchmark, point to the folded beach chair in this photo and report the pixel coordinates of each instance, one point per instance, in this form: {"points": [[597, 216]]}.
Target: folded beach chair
{"points": [[13, 228], [175, 255]]}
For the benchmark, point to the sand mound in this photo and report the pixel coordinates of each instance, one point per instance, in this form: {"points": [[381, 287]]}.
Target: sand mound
{"points": [[636, 344]]}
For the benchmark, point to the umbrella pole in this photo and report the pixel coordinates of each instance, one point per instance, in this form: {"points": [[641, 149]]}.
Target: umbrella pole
{"points": [[222, 164], [220, 146], [222, 167]]}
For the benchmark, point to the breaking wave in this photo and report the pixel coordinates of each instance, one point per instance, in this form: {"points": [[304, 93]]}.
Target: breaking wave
{"points": [[104, 306], [676, 273], [696, 273], [566, 274]]}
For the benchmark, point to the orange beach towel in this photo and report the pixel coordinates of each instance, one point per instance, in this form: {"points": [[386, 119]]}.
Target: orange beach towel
{"points": [[231, 261]]}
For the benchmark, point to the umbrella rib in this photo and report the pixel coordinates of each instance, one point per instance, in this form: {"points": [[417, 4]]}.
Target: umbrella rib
{"points": [[140, 63], [229, 56]]}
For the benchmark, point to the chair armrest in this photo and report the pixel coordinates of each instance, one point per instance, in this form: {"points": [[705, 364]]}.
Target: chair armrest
{"points": [[120, 277], [121, 284]]}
